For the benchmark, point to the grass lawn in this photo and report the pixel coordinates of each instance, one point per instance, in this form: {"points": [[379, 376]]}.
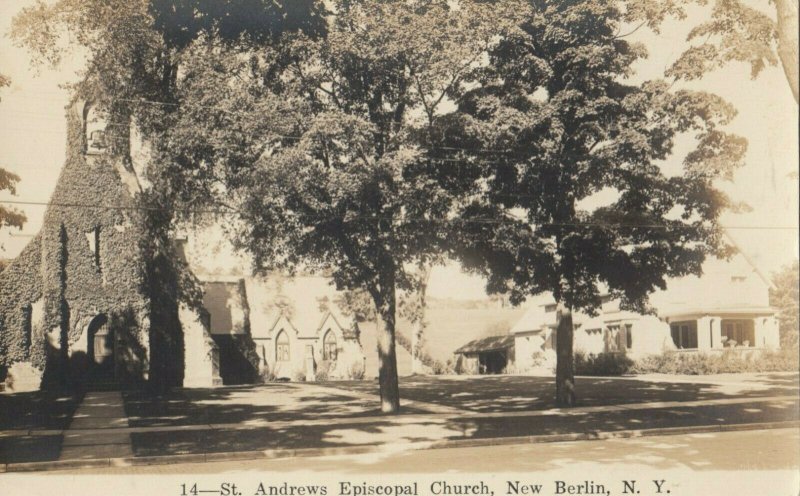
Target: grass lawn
{"points": [[243, 404], [30, 449], [37, 410], [517, 393]]}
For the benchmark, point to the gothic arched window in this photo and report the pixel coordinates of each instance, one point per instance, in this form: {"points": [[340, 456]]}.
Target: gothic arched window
{"points": [[282, 347], [95, 128], [329, 349]]}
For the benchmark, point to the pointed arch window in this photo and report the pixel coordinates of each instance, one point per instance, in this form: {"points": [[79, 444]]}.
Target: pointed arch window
{"points": [[95, 122], [282, 347], [329, 347]]}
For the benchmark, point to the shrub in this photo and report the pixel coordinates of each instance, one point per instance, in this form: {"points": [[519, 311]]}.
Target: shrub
{"points": [[267, 374], [782, 360], [322, 372], [299, 375], [543, 361], [439, 367], [601, 364], [538, 358], [731, 360], [356, 371]]}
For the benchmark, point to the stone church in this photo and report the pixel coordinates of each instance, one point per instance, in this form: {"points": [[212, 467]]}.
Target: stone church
{"points": [[78, 307]]}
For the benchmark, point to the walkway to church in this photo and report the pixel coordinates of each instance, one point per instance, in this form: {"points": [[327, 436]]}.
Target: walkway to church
{"points": [[98, 428], [285, 419]]}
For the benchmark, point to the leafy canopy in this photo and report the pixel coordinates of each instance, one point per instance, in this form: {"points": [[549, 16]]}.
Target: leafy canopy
{"points": [[785, 296], [583, 192], [9, 217], [331, 147]]}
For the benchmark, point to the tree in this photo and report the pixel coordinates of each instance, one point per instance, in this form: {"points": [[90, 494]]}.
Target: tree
{"points": [[9, 217], [411, 305], [735, 32], [133, 59], [356, 303], [134, 48], [580, 198], [414, 307], [785, 296], [330, 147]]}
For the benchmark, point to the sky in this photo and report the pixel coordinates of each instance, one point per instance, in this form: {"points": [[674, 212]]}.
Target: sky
{"points": [[33, 137]]}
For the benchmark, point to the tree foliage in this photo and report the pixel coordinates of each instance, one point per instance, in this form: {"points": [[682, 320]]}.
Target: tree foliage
{"points": [[9, 217], [557, 102], [331, 146], [356, 303], [785, 296], [736, 31], [361, 138], [320, 136], [570, 129]]}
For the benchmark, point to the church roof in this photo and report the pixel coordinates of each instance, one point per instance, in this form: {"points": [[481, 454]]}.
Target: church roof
{"points": [[306, 302]]}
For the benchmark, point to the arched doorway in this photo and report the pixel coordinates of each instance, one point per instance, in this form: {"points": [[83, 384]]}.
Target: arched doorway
{"points": [[102, 350]]}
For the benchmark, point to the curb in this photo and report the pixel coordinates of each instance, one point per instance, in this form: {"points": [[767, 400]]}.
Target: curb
{"points": [[358, 450]]}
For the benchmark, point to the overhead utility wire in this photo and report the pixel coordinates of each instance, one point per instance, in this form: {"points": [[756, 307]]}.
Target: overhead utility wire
{"points": [[475, 220]]}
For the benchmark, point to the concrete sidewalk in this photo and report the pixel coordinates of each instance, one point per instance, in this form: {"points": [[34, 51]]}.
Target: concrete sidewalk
{"points": [[98, 428]]}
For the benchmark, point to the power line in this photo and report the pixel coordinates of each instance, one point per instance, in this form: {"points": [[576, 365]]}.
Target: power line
{"points": [[347, 219]]}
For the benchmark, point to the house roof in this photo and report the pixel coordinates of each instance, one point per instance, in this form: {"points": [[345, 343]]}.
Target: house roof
{"points": [[535, 318], [741, 311], [749, 260], [491, 343], [713, 293]]}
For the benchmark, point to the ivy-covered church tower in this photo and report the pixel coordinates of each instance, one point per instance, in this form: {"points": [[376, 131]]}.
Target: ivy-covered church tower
{"points": [[74, 306]]}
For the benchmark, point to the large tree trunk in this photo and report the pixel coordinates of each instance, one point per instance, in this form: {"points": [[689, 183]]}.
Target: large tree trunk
{"points": [[787, 41], [387, 358], [565, 374]]}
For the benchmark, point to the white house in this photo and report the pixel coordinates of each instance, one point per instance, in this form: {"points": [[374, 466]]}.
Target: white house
{"points": [[728, 306]]}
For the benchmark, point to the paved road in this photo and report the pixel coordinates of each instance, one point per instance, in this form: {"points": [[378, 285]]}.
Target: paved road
{"points": [[777, 449]]}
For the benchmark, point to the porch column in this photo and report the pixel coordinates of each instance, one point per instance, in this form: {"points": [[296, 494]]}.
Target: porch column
{"points": [[715, 332], [705, 333], [766, 332]]}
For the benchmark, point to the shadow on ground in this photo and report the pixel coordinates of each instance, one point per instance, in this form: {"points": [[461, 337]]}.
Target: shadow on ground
{"points": [[37, 410], [518, 393], [396, 432], [751, 450], [244, 404], [30, 449]]}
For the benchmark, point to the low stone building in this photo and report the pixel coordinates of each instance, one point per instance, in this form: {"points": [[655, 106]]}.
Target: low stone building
{"points": [[489, 355], [726, 308], [81, 305]]}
